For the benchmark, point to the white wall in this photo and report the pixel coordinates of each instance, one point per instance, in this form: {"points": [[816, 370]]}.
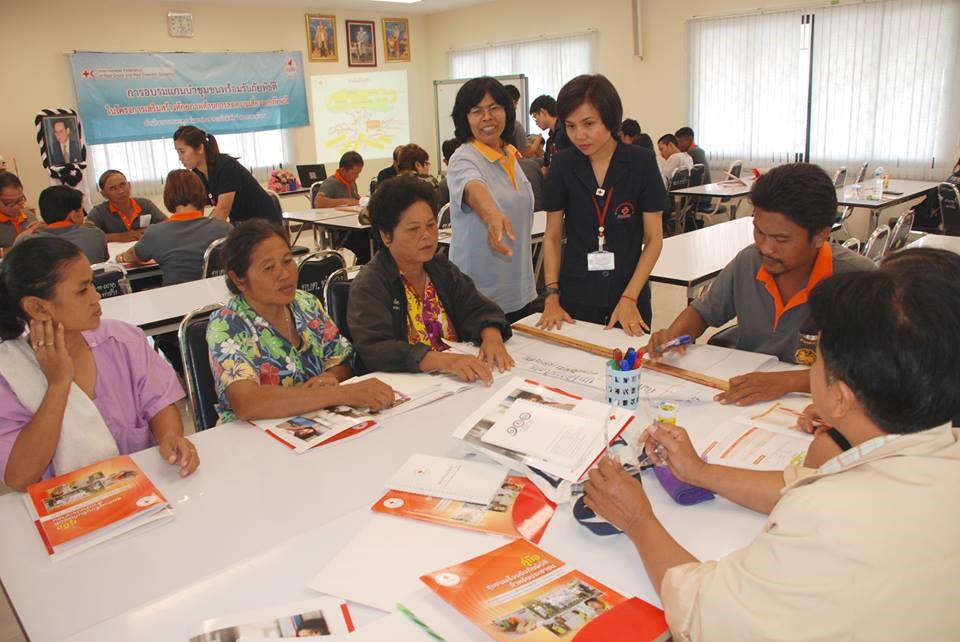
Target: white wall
{"points": [[37, 35]]}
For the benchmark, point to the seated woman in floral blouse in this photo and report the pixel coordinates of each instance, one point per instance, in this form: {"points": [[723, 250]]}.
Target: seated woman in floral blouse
{"points": [[273, 349], [408, 302]]}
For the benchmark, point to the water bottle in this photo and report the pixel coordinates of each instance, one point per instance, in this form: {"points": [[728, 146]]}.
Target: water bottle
{"points": [[878, 183]]}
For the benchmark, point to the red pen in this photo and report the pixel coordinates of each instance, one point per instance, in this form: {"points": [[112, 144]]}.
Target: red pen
{"points": [[636, 364], [617, 355]]}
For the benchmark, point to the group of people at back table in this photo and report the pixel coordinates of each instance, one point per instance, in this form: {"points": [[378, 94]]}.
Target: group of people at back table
{"points": [[866, 502]]}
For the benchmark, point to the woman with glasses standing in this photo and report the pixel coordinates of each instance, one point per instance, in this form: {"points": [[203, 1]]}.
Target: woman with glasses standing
{"points": [[15, 218], [491, 201]]}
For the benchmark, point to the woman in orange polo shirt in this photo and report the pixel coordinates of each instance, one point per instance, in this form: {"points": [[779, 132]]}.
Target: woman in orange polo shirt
{"points": [[15, 218], [121, 217]]}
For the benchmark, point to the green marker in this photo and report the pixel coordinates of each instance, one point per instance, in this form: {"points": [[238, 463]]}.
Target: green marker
{"points": [[423, 625]]}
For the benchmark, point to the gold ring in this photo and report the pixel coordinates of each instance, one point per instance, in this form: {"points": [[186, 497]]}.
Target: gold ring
{"points": [[48, 344]]}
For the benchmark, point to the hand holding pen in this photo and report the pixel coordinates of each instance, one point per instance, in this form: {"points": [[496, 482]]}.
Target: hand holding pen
{"points": [[660, 344]]}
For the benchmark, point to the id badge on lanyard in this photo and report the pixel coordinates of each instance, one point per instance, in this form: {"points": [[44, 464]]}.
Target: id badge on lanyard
{"points": [[601, 260]]}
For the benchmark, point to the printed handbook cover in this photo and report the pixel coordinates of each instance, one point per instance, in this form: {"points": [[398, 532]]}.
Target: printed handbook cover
{"points": [[520, 592], [92, 504], [519, 509]]}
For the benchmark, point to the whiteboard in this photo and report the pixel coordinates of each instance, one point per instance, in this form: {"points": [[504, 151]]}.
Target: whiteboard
{"points": [[445, 93]]}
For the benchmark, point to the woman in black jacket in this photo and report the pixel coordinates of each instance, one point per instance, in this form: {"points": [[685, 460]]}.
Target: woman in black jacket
{"points": [[408, 302]]}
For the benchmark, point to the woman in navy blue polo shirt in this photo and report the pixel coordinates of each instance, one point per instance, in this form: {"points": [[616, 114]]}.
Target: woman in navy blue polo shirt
{"points": [[608, 197]]}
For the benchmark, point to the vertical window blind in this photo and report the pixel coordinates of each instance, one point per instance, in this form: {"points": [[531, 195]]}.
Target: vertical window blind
{"points": [[880, 79]]}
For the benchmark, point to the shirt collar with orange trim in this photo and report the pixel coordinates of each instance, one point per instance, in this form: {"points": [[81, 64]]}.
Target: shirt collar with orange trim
{"points": [[822, 268], [507, 159], [186, 216]]}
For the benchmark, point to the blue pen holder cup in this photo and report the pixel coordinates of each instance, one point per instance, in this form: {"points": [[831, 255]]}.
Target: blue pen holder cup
{"points": [[623, 387]]}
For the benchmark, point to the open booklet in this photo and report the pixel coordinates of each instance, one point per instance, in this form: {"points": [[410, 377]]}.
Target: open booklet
{"points": [[518, 509], [763, 437], [80, 509], [579, 449], [521, 592], [320, 616]]}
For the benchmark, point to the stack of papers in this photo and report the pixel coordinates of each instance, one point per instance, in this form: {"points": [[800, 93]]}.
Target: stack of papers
{"points": [[448, 478]]}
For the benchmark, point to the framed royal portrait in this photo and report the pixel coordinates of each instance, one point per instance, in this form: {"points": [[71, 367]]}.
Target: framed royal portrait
{"points": [[396, 40], [321, 37], [361, 43]]}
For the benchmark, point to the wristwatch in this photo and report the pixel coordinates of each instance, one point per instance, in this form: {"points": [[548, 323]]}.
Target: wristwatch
{"points": [[551, 290]]}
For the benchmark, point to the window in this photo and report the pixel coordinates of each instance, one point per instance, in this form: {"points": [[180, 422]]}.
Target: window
{"points": [[879, 79], [547, 63], [146, 163]]}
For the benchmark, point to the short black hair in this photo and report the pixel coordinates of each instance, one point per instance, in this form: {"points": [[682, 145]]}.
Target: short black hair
{"points": [[33, 267], [596, 90], [630, 127], [102, 181], [9, 179], [902, 359], [350, 159], [448, 147], [924, 259], [57, 201], [470, 95], [800, 191], [512, 91], [684, 132], [544, 102], [644, 140], [241, 242], [668, 139], [393, 197]]}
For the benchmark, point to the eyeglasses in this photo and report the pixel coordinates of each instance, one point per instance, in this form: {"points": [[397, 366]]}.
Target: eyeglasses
{"points": [[479, 111], [15, 202]]}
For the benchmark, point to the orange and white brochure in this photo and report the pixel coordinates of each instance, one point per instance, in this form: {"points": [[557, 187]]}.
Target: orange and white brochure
{"points": [[521, 592], [90, 505], [519, 509]]}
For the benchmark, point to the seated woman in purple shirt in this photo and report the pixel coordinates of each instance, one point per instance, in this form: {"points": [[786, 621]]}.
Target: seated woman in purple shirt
{"points": [[76, 389]]}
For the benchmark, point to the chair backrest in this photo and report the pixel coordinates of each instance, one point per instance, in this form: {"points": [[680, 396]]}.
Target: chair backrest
{"points": [[735, 168], [840, 177], [374, 182], [196, 366], [313, 191], [950, 208], [314, 269], [901, 229], [696, 174], [110, 280], [335, 296], [443, 217], [877, 243], [680, 178], [213, 259], [852, 243], [276, 201], [863, 172]]}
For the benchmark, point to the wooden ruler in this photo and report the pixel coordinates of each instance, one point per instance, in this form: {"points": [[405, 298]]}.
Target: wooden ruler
{"points": [[607, 353]]}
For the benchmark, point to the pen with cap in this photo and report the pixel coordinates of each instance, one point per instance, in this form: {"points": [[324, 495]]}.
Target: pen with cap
{"points": [[682, 340]]}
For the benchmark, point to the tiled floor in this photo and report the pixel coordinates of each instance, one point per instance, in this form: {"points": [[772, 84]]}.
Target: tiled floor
{"points": [[668, 302]]}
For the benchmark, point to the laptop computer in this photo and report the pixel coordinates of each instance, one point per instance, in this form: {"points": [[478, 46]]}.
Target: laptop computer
{"points": [[310, 174]]}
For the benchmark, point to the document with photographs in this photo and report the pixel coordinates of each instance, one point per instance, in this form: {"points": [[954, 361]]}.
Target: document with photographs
{"points": [[519, 509], [309, 618], [521, 592], [415, 389], [312, 429], [448, 478], [80, 509], [500, 408]]}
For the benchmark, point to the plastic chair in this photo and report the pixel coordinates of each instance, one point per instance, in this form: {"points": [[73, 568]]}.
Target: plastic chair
{"points": [[863, 172], [201, 390], [443, 217], [901, 229], [336, 293], [276, 202], [213, 259], [876, 245], [949, 208], [696, 174], [840, 177], [110, 280], [314, 269], [718, 207], [726, 338], [678, 218], [852, 244], [313, 192]]}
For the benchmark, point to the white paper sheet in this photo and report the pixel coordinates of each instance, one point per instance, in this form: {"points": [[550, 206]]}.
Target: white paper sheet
{"points": [[468, 481], [755, 448]]}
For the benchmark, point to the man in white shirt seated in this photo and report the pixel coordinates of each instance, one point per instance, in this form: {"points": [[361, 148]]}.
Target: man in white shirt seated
{"points": [[673, 158]]}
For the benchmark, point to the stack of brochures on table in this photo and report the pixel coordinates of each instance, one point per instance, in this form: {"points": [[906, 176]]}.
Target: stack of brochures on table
{"points": [[521, 592], [548, 433], [323, 616], [80, 509], [469, 495]]}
